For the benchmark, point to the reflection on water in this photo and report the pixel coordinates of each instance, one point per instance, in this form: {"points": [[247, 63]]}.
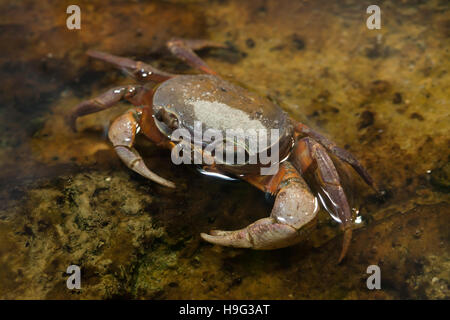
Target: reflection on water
{"points": [[66, 199]]}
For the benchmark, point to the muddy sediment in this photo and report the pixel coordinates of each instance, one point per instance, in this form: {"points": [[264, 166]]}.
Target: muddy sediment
{"points": [[66, 199]]}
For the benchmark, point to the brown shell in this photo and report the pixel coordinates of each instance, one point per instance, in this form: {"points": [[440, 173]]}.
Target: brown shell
{"points": [[219, 105]]}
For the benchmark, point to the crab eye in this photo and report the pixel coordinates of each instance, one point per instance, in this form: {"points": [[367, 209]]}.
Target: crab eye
{"points": [[158, 115], [166, 121], [170, 120]]}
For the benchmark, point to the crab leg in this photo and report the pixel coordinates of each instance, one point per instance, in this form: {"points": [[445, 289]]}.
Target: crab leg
{"points": [[134, 94], [122, 134], [137, 69], [184, 50], [342, 154], [295, 207], [312, 160]]}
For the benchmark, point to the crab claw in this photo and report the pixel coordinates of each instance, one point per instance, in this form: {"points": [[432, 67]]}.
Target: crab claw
{"points": [[295, 207], [122, 134]]}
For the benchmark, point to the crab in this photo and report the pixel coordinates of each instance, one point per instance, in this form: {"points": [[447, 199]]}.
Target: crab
{"points": [[163, 103]]}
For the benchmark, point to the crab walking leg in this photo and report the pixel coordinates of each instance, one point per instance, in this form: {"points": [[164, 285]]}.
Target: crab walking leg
{"points": [[122, 134], [132, 93], [295, 207], [184, 50], [137, 69], [311, 159], [342, 154]]}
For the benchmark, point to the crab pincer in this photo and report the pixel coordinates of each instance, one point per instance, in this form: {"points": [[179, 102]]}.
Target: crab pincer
{"points": [[295, 209]]}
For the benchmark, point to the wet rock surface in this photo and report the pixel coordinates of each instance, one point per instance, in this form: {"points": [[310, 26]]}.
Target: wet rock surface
{"points": [[66, 199]]}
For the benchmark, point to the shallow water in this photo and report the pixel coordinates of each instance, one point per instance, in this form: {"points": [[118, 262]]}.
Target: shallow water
{"points": [[66, 198]]}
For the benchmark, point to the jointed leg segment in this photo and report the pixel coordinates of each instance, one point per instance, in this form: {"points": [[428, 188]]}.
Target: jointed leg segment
{"points": [[137, 69], [122, 134], [132, 93], [342, 154], [312, 160], [184, 50], [123, 130]]}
